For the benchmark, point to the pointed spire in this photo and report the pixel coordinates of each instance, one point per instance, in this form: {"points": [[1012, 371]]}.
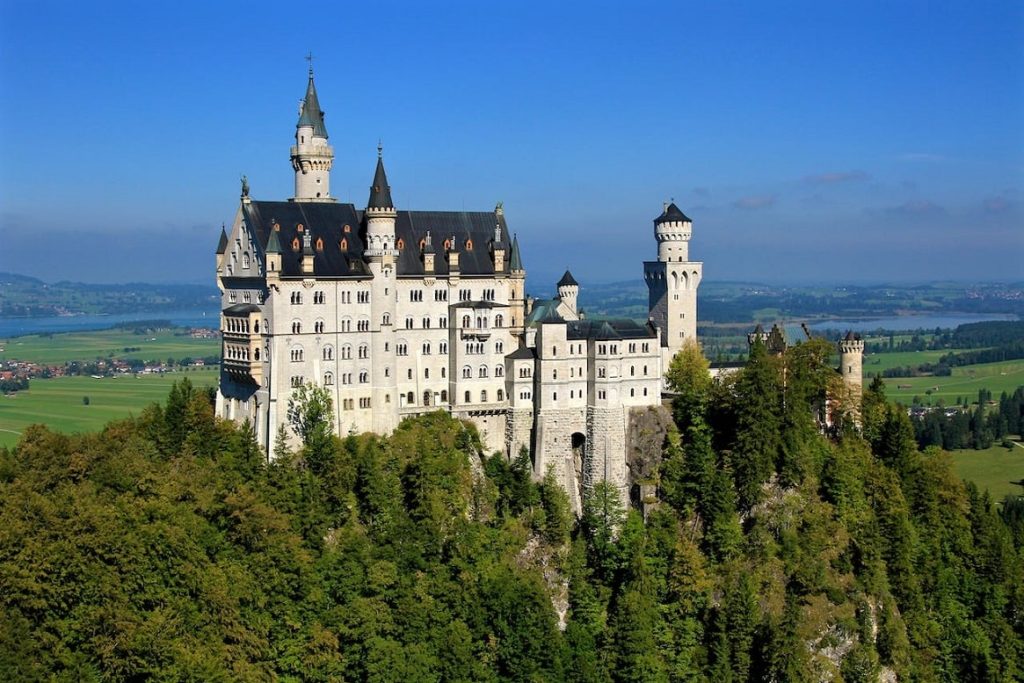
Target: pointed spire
{"points": [[380, 191], [515, 261], [222, 245], [311, 114], [273, 244]]}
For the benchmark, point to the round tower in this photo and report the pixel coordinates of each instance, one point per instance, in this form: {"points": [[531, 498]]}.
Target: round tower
{"points": [[851, 362], [311, 156], [568, 290], [672, 230], [672, 282], [380, 216]]}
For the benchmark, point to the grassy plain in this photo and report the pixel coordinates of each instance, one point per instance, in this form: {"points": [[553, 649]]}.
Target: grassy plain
{"points": [[994, 468], [58, 404], [964, 383], [88, 346], [879, 362]]}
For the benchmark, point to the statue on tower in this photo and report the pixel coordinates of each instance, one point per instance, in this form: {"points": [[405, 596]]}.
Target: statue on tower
{"points": [[245, 186]]}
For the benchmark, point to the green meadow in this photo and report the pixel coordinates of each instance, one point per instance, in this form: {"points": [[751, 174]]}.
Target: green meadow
{"points": [[156, 345], [963, 383], [879, 362], [58, 402], [994, 468]]}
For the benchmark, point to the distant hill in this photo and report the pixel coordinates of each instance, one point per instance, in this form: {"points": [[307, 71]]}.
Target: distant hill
{"points": [[28, 297]]}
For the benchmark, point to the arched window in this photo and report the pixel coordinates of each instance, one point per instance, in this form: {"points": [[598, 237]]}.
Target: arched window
{"points": [[328, 353], [444, 396], [319, 244], [426, 398], [400, 244], [410, 399], [296, 327], [386, 320], [482, 372], [344, 243], [328, 379], [468, 399], [299, 228], [469, 245], [465, 321], [426, 348], [245, 260], [467, 372], [501, 395], [295, 244], [499, 320], [364, 351], [499, 371], [364, 377], [347, 229], [408, 322], [499, 347]]}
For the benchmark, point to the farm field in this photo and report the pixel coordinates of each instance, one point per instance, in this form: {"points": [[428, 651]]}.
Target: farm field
{"points": [[964, 383], [879, 362], [88, 346], [58, 404], [994, 469]]}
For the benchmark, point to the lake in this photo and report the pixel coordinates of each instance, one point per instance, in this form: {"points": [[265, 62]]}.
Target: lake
{"points": [[904, 323], [195, 317]]}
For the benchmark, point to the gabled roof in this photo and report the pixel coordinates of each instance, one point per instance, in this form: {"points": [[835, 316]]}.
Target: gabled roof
{"points": [[671, 214], [380, 191], [311, 114], [222, 245], [568, 281]]}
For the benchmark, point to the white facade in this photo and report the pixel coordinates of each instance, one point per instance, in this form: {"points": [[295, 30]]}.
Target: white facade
{"points": [[399, 313]]}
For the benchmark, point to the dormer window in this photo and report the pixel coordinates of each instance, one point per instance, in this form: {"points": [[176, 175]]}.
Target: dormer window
{"points": [[423, 243], [319, 244], [469, 245], [300, 228], [447, 245], [400, 244], [295, 244], [344, 243], [347, 229]]}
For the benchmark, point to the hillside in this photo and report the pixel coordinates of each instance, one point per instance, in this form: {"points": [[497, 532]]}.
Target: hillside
{"points": [[166, 547], [27, 297]]}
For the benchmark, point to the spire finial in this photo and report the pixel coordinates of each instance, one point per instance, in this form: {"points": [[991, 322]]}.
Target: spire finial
{"points": [[309, 58], [380, 148]]}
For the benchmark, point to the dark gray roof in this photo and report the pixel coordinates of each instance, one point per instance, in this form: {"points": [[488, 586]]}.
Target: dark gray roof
{"points": [[759, 329], [479, 304], [516, 261], [568, 281], [327, 221], [311, 114], [380, 191], [850, 336], [222, 245], [523, 353], [241, 309], [619, 328], [671, 214]]}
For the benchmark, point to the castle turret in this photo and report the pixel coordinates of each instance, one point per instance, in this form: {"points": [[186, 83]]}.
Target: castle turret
{"points": [[851, 362], [568, 291], [380, 216], [758, 335], [311, 156], [517, 295], [380, 254], [672, 282], [222, 248]]}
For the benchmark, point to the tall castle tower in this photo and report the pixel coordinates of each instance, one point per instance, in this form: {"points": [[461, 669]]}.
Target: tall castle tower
{"points": [[312, 157], [672, 282], [851, 367], [380, 254]]}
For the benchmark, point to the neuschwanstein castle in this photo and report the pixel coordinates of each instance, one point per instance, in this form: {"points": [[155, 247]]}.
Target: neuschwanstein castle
{"points": [[402, 312]]}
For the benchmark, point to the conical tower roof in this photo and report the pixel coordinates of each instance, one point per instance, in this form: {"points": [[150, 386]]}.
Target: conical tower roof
{"points": [[672, 214], [380, 191], [568, 280], [515, 260], [311, 114], [273, 244], [222, 245]]}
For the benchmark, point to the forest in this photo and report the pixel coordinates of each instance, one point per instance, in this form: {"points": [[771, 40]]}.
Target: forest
{"points": [[783, 546]]}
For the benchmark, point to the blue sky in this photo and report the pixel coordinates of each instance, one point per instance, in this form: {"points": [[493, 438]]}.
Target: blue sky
{"points": [[808, 141]]}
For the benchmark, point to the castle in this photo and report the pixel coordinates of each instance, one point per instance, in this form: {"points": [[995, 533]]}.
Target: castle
{"points": [[401, 312]]}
